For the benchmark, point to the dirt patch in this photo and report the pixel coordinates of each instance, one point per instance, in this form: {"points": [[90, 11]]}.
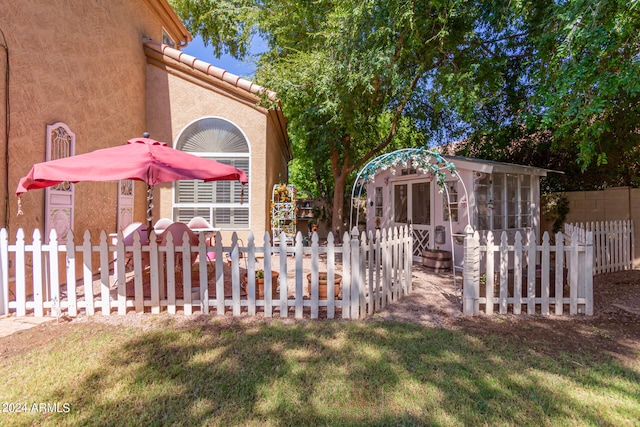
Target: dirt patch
{"points": [[613, 330], [436, 302]]}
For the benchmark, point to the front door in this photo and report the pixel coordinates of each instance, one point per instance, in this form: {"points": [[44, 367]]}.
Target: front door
{"points": [[59, 198], [412, 205]]}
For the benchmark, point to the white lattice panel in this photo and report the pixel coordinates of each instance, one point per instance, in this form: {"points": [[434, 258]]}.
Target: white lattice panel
{"points": [[420, 241]]}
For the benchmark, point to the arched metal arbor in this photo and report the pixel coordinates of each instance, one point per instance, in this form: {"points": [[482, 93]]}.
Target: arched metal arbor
{"points": [[425, 161]]}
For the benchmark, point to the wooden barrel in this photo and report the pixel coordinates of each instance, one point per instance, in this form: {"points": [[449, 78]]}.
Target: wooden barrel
{"points": [[437, 261]]}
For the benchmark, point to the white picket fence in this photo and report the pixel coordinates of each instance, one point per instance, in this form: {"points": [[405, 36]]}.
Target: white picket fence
{"points": [[509, 276], [375, 270], [613, 243]]}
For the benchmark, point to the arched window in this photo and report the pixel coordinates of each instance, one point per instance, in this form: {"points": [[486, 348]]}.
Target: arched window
{"points": [[220, 202]]}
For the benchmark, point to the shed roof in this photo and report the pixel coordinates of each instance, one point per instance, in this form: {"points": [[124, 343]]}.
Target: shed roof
{"points": [[492, 166]]}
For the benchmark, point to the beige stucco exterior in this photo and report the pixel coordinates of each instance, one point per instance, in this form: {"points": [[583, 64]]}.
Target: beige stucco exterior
{"points": [[88, 64], [178, 94]]}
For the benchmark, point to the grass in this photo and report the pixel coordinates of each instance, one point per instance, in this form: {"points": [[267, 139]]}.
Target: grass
{"points": [[311, 373]]}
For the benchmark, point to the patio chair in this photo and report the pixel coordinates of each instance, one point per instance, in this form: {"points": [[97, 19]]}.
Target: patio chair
{"points": [[199, 223], [177, 230], [161, 225], [128, 238]]}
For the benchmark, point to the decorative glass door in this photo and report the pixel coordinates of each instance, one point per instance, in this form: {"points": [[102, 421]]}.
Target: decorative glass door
{"points": [[59, 204], [412, 205]]}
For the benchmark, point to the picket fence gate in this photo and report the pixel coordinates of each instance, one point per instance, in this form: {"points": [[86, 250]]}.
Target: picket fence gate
{"points": [[613, 243], [538, 276], [375, 270]]}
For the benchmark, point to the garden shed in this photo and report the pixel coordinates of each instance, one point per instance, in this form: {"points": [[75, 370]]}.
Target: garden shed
{"points": [[487, 195]]}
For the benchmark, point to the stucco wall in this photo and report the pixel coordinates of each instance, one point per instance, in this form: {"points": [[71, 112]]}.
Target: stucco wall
{"points": [[619, 203], [82, 63], [176, 98]]}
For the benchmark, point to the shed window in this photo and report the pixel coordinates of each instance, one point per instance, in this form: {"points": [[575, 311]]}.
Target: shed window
{"points": [[378, 202], [220, 202], [503, 201], [450, 210]]}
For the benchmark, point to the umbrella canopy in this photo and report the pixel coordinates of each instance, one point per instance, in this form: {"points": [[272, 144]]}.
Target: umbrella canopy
{"points": [[142, 159]]}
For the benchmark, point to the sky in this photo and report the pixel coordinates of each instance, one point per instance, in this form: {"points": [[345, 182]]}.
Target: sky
{"points": [[240, 68]]}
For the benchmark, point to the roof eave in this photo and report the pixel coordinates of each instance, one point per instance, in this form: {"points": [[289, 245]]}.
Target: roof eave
{"points": [[171, 20]]}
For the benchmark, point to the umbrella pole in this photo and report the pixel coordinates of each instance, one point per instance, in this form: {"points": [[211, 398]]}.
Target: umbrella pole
{"points": [[149, 209]]}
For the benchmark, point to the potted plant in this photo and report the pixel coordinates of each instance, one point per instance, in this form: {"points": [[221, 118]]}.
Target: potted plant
{"points": [[322, 285], [260, 284]]}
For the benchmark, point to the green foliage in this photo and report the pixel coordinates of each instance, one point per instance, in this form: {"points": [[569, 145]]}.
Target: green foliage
{"points": [[358, 78], [226, 24], [587, 76], [555, 207]]}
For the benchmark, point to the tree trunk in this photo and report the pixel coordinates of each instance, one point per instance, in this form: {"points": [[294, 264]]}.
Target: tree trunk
{"points": [[337, 220]]}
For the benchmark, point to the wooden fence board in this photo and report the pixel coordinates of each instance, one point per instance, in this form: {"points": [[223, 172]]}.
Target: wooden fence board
{"points": [[613, 243], [528, 282], [374, 272]]}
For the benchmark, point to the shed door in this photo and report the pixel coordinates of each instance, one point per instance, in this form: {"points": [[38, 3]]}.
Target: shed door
{"points": [[412, 205], [59, 198]]}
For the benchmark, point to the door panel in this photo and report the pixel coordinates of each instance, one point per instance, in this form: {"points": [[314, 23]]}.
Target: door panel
{"points": [[412, 205], [125, 203], [59, 199]]}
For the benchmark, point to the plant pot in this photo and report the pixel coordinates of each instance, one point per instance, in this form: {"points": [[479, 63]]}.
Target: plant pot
{"points": [[260, 285], [322, 285], [437, 261]]}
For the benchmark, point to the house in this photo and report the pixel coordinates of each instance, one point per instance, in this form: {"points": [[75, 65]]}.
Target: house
{"points": [[80, 76], [485, 194]]}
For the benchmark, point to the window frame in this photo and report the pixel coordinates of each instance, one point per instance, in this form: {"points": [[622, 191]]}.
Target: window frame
{"points": [[505, 202], [235, 205]]}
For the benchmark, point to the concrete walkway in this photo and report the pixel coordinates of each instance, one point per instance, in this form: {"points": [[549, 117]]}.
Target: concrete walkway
{"points": [[12, 324]]}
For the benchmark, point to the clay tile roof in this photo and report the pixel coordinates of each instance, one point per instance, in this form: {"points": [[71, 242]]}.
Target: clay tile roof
{"points": [[210, 70]]}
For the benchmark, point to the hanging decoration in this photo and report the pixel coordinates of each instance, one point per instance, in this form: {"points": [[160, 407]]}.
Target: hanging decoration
{"points": [[283, 211]]}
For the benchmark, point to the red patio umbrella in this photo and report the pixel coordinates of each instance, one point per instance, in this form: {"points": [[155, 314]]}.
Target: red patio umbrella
{"points": [[142, 159]]}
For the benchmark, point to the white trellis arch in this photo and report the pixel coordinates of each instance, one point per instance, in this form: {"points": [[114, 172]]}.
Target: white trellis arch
{"points": [[424, 160]]}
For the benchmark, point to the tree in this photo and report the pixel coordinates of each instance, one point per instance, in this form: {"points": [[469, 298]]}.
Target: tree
{"points": [[346, 71], [568, 67], [587, 76], [349, 72]]}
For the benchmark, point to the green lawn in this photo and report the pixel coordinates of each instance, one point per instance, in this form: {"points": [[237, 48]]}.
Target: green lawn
{"points": [[311, 373]]}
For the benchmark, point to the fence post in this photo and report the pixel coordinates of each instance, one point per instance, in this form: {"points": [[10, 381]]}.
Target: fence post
{"points": [[298, 277], [331, 264], [408, 256], [315, 268], [346, 276], [355, 274], [268, 301], [72, 300], [284, 303], [36, 260], [531, 270], [490, 273], [21, 274], [372, 264], [575, 265], [588, 280], [104, 272], [471, 273], [235, 275], [363, 274], [252, 295], [517, 274]]}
